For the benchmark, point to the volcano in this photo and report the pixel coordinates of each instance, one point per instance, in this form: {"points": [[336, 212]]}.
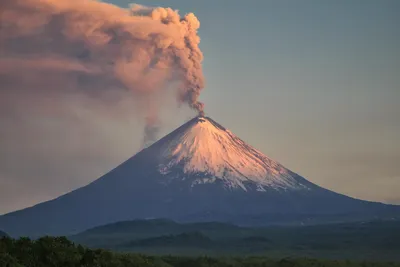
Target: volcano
{"points": [[199, 172]]}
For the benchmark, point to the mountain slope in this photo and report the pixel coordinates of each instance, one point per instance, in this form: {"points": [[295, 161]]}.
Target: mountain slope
{"points": [[199, 172], [2, 234]]}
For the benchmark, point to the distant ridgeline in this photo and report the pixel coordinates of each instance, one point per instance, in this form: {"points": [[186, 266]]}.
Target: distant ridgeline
{"points": [[375, 240], [2, 234]]}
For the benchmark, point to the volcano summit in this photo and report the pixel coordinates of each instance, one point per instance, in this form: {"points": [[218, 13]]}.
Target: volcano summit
{"points": [[199, 172], [206, 153]]}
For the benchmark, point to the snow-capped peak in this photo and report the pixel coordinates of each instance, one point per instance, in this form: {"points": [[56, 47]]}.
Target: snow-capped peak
{"points": [[204, 147]]}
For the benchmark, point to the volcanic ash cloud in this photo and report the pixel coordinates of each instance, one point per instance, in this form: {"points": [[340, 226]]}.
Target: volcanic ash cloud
{"points": [[95, 48]]}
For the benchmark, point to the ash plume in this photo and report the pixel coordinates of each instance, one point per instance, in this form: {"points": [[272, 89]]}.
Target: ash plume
{"points": [[91, 47], [150, 134]]}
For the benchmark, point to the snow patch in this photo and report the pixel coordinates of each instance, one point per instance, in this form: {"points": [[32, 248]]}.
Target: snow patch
{"points": [[209, 149]]}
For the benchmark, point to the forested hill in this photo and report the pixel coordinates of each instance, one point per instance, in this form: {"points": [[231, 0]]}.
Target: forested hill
{"points": [[375, 240], [59, 251]]}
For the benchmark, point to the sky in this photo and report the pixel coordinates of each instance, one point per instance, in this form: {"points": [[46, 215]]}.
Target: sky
{"points": [[313, 84]]}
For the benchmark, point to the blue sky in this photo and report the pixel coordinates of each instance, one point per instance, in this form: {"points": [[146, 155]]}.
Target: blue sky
{"points": [[313, 84]]}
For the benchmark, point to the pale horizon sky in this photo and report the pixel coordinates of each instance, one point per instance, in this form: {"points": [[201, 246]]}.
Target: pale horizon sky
{"points": [[315, 85]]}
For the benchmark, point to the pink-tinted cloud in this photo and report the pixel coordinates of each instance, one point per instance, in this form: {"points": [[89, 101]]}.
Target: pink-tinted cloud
{"points": [[95, 46]]}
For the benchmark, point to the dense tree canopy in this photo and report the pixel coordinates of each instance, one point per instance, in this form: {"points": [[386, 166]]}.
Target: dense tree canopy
{"points": [[59, 251]]}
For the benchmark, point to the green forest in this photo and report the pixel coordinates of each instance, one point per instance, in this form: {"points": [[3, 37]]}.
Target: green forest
{"points": [[59, 251]]}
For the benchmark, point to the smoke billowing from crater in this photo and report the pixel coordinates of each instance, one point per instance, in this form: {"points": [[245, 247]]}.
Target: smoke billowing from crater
{"points": [[90, 47]]}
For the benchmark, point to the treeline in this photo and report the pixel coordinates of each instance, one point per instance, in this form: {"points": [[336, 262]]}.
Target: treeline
{"points": [[60, 252]]}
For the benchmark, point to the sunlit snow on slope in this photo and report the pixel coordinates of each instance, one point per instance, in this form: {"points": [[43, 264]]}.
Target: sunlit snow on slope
{"points": [[209, 149]]}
